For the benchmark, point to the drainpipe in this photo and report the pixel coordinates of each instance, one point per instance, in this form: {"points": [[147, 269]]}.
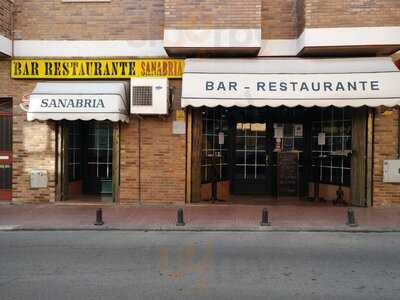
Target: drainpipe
{"points": [[139, 164]]}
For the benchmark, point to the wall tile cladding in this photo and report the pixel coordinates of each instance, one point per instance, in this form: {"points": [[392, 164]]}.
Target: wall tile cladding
{"points": [[33, 142], [350, 13], [118, 19], [6, 7], [212, 14]]}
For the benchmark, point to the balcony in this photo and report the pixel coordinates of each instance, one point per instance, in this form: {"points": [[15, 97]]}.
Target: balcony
{"points": [[212, 26], [359, 27]]}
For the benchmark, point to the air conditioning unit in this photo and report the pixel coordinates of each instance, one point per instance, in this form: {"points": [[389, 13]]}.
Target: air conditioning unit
{"points": [[149, 96]]}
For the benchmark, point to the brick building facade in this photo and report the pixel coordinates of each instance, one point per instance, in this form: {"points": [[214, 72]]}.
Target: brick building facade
{"points": [[154, 163]]}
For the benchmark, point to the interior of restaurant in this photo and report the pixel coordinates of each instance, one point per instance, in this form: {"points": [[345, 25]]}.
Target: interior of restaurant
{"points": [[276, 155]]}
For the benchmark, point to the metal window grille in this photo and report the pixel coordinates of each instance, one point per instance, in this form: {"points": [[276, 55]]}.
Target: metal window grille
{"points": [[74, 149], [214, 121], [142, 95], [336, 123]]}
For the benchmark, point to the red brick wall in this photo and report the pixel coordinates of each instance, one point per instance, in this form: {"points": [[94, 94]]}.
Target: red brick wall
{"points": [[117, 19], [162, 164], [212, 14], [350, 13], [6, 18], [33, 142], [162, 160], [279, 19], [385, 147]]}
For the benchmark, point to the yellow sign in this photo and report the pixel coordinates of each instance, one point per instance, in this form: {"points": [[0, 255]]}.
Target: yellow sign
{"points": [[179, 115], [96, 69]]}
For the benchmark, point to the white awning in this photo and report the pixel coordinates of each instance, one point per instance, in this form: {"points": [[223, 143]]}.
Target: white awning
{"points": [[84, 100], [291, 82]]}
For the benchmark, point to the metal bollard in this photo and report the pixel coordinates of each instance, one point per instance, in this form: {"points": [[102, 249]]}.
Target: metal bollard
{"points": [[99, 217], [351, 219], [179, 218], [264, 218]]}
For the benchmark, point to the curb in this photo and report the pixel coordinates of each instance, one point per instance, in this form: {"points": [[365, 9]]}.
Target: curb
{"points": [[14, 228]]}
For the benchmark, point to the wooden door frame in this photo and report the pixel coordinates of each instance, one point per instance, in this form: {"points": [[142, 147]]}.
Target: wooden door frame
{"points": [[360, 164], [62, 161], [116, 161], [232, 151]]}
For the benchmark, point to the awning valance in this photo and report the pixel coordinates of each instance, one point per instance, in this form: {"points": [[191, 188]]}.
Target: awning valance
{"points": [[84, 100], [291, 82]]}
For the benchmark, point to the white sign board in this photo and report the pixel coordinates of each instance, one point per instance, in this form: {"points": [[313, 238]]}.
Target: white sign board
{"points": [[298, 130], [278, 131], [391, 171], [39, 179], [74, 107], [339, 89], [221, 138], [321, 138], [178, 127]]}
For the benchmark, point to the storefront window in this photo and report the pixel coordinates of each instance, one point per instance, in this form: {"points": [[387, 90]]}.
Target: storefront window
{"points": [[74, 152], [215, 145], [331, 145]]}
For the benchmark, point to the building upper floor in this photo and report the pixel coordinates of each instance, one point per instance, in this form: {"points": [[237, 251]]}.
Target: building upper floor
{"points": [[210, 27]]}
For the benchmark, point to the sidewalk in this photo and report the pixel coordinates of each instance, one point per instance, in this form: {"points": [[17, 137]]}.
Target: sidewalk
{"points": [[197, 218]]}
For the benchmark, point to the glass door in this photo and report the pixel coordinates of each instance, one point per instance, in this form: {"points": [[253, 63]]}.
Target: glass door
{"points": [[99, 158], [251, 159]]}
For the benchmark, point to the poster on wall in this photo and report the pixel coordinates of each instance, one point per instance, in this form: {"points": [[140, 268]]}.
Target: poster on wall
{"points": [[298, 130], [321, 139], [278, 131]]}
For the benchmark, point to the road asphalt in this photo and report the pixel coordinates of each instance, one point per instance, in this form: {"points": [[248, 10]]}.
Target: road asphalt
{"points": [[198, 265]]}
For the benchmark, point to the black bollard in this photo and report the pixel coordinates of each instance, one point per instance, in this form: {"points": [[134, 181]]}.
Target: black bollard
{"points": [[264, 218], [351, 219], [179, 218], [99, 217]]}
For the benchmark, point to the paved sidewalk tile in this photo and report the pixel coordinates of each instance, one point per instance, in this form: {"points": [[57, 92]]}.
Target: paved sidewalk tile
{"points": [[197, 217]]}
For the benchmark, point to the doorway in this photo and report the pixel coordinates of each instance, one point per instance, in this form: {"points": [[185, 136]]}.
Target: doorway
{"points": [[251, 153], [5, 149], [268, 154], [240, 149], [87, 161]]}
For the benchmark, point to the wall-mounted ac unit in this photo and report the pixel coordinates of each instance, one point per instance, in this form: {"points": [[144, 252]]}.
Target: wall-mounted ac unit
{"points": [[149, 96]]}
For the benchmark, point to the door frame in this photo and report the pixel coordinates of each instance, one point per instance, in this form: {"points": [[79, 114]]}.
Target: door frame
{"points": [[6, 157], [62, 161], [235, 183]]}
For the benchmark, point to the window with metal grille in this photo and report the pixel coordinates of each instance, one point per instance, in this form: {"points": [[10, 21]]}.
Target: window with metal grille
{"points": [[142, 95], [336, 123], [5, 177], [215, 120]]}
